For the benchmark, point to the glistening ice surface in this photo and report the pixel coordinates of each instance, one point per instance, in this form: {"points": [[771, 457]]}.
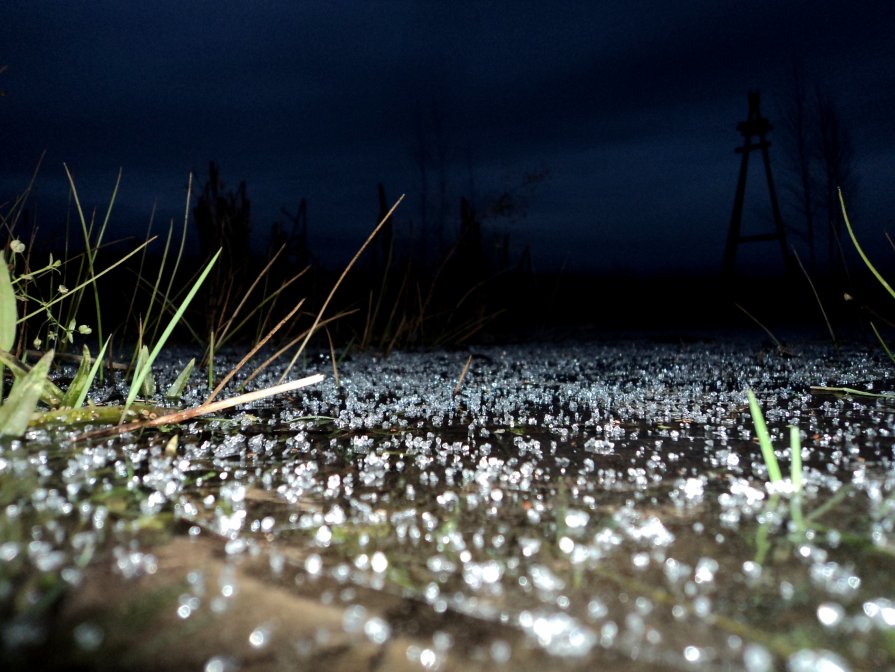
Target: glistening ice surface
{"points": [[564, 507]]}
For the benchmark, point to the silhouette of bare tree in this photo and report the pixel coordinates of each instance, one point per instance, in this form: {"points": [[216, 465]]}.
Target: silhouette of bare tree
{"points": [[223, 220], [820, 159]]}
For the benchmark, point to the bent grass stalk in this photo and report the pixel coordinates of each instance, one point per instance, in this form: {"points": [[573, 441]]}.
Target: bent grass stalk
{"points": [[860, 250]]}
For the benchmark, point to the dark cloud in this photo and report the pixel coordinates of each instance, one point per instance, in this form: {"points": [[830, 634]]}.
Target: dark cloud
{"points": [[631, 105]]}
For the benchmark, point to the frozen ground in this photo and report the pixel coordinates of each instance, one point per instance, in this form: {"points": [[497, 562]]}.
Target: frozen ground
{"points": [[563, 507]]}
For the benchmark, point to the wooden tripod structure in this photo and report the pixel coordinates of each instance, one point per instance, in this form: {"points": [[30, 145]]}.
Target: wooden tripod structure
{"points": [[754, 131]]}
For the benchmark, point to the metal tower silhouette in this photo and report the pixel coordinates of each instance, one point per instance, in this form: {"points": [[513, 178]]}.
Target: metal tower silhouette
{"points": [[754, 131]]}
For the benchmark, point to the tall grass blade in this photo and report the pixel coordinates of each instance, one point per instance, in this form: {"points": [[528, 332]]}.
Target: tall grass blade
{"points": [[7, 307], [23, 397], [140, 266], [90, 250], [225, 329], [764, 439], [795, 449], [863, 256], [142, 372], [7, 313]]}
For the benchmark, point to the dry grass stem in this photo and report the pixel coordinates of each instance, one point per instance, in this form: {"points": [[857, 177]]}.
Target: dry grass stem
{"points": [[816, 296], [332, 355], [251, 353], [773, 338], [332, 292], [205, 409], [279, 353], [462, 375], [245, 297]]}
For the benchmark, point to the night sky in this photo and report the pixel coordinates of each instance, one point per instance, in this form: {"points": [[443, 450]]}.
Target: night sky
{"points": [[630, 107]]}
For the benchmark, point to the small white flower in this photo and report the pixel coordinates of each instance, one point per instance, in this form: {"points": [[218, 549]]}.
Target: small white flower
{"points": [[63, 289], [37, 342], [17, 246], [84, 329]]}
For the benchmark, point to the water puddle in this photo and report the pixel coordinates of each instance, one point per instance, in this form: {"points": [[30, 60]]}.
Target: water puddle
{"points": [[568, 507]]}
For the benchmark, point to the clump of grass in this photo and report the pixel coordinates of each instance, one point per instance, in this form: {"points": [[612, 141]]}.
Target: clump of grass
{"points": [[145, 363], [19, 410]]}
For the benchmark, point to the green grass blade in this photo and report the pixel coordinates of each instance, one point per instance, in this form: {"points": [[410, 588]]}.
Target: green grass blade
{"points": [[764, 439], [795, 449], [19, 407], [177, 387], [7, 313], [7, 307], [864, 258], [167, 306], [142, 372]]}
